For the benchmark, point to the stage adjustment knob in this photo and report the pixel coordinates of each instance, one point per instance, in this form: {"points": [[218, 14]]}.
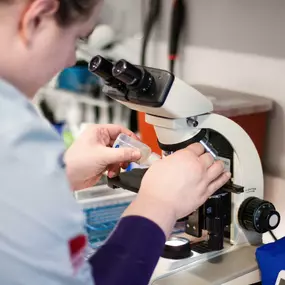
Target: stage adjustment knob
{"points": [[258, 215]]}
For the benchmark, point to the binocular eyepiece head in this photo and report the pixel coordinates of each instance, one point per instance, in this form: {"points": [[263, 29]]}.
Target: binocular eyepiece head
{"points": [[122, 73]]}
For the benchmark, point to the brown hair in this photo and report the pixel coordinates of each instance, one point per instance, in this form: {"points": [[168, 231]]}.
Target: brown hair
{"points": [[72, 10], [69, 11]]}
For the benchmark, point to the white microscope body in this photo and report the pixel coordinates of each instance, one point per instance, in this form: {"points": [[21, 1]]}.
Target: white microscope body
{"points": [[179, 114]]}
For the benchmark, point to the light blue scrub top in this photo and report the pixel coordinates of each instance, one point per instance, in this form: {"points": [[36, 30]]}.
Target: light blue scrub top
{"points": [[41, 225]]}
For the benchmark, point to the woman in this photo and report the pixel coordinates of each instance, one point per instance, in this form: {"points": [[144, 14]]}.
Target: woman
{"points": [[42, 237]]}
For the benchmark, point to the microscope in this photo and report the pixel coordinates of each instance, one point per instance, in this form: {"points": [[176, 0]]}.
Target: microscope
{"points": [[236, 216]]}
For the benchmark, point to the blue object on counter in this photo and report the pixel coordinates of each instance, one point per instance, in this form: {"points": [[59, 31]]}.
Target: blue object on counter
{"points": [[271, 260]]}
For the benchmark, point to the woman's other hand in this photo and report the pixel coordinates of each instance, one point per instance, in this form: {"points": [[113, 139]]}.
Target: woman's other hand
{"points": [[92, 154]]}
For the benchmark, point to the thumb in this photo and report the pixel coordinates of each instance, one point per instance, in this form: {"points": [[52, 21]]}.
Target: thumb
{"points": [[120, 155]]}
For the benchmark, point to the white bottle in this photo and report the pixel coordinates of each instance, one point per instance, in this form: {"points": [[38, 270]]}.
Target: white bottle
{"points": [[147, 156]]}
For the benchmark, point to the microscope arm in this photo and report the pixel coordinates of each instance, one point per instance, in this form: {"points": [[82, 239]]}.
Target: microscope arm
{"points": [[247, 172], [250, 167], [174, 131], [247, 166]]}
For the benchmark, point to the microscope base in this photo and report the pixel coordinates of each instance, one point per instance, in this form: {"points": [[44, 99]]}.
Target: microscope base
{"points": [[232, 267]]}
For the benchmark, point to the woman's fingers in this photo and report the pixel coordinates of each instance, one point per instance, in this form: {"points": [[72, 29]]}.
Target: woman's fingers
{"points": [[115, 130], [121, 155], [207, 160], [125, 165], [197, 148], [113, 170], [218, 183], [215, 170]]}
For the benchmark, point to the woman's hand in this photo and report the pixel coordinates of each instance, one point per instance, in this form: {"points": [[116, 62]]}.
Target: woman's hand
{"points": [[92, 154], [177, 185]]}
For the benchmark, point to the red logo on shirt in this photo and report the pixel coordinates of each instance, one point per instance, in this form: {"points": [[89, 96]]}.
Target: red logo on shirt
{"points": [[76, 248]]}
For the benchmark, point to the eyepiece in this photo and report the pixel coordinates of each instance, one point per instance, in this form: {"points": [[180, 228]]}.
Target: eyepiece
{"points": [[101, 67], [127, 73]]}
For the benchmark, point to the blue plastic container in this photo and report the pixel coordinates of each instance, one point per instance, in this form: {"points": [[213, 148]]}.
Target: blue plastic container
{"points": [[77, 79], [101, 221]]}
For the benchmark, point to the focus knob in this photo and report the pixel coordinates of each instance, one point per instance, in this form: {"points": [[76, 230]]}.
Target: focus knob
{"points": [[258, 215]]}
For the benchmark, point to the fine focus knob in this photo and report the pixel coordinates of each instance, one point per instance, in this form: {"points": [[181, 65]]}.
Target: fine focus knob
{"points": [[258, 215]]}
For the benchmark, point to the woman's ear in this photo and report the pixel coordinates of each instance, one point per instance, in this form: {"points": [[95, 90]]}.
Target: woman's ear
{"points": [[34, 15]]}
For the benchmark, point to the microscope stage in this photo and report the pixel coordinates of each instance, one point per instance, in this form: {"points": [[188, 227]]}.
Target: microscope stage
{"points": [[130, 180]]}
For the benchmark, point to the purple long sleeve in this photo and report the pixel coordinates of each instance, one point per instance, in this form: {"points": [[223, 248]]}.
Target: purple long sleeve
{"points": [[130, 255]]}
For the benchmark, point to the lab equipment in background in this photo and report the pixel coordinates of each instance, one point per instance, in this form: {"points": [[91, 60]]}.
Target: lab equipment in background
{"points": [[104, 40], [147, 156], [60, 126], [177, 25], [176, 30], [150, 21], [181, 115], [78, 79], [48, 113], [66, 134], [74, 96]]}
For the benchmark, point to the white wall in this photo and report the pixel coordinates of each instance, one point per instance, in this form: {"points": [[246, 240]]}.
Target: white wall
{"points": [[233, 44]]}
